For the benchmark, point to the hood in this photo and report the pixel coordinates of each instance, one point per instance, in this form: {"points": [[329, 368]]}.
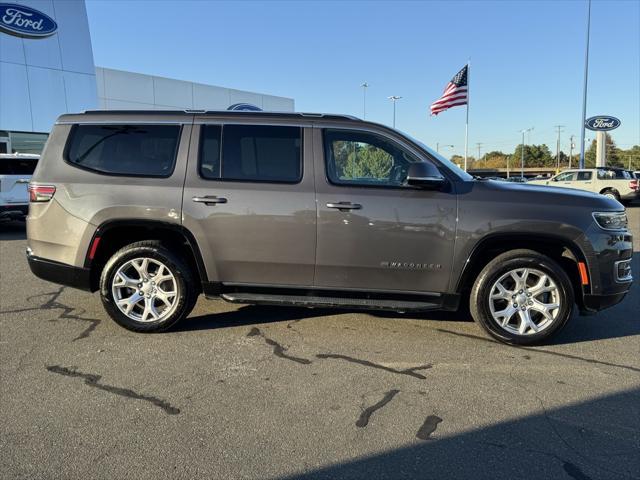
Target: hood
{"points": [[544, 194]]}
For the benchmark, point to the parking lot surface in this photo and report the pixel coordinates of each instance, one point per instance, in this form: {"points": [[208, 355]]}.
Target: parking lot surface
{"points": [[256, 392]]}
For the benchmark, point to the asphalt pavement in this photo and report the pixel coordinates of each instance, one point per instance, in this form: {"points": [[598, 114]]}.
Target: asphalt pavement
{"points": [[265, 393]]}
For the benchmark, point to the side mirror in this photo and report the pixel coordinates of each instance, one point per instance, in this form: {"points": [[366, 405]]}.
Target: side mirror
{"points": [[425, 175]]}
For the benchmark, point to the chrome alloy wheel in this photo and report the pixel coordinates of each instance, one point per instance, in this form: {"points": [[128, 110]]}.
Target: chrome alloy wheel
{"points": [[145, 290], [524, 301]]}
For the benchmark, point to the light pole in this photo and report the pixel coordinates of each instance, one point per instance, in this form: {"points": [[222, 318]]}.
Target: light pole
{"points": [[584, 89], [522, 151], [438, 147], [364, 86], [559, 127], [394, 99]]}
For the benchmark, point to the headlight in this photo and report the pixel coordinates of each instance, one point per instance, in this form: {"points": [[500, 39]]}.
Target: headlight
{"points": [[611, 220]]}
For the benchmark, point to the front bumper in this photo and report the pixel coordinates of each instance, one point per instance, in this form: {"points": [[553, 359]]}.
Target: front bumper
{"points": [[609, 256], [60, 273], [595, 303]]}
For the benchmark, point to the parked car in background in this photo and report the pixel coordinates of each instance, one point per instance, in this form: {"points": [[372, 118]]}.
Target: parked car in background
{"points": [[153, 208], [615, 183], [517, 179], [15, 173]]}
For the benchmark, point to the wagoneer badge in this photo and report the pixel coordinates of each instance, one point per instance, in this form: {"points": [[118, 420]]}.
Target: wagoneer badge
{"points": [[22, 21], [411, 265], [602, 123]]}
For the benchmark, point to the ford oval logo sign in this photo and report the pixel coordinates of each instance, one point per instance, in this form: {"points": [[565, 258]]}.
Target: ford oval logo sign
{"points": [[246, 107], [602, 123], [23, 21]]}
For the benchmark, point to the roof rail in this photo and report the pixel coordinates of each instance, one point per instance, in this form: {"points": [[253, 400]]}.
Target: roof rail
{"points": [[227, 113]]}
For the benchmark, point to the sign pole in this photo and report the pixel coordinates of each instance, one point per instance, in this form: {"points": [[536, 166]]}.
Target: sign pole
{"points": [[584, 90]]}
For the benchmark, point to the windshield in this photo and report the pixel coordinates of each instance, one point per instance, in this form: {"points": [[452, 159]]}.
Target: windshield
{"points": [[446, 162]]}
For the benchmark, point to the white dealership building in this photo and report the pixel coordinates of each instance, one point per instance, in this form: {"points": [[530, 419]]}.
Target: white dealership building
{"points": [[47, 69]]}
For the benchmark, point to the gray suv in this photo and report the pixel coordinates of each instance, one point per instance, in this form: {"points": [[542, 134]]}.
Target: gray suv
{"points": [[153, 208]]}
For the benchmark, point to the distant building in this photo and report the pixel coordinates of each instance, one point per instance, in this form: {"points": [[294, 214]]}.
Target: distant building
{"points": [[47, 69]]}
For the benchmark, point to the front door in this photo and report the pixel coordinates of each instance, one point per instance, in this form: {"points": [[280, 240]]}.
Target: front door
{"points": [[250, 203], [374, 232]]}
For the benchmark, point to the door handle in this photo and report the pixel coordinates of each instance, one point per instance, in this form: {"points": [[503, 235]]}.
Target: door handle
{"points": [[209, 200], [344, 206], [22, 180]]}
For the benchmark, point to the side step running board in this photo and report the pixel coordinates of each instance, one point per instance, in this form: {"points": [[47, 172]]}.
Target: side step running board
{"points": [[333, 302]]}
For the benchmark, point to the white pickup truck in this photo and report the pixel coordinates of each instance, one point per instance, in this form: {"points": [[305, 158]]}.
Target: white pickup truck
{"points": [[15, 173], [612, 182]]}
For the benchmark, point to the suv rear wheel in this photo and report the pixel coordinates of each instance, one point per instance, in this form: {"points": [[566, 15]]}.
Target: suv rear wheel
{"points": [[522, 297], [146, 288], [611, 193]]}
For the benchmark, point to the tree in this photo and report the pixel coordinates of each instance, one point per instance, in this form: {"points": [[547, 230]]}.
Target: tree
{"points": [[535, 156]]}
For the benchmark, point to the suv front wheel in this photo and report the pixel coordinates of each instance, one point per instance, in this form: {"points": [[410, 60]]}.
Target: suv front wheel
{"points": [[146, 288], [522, 297]]}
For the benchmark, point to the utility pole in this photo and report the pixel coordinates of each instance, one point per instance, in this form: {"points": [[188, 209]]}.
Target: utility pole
{"points": [[394, 99], [364, 86], [479, 145], [571, 145], [559, 127]]}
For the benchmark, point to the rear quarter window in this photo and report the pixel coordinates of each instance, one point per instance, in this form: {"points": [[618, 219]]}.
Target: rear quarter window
{"points": [[129, 150]]}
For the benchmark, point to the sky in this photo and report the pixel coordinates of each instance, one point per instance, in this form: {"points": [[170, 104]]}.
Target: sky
{"points": [[527, 59]]}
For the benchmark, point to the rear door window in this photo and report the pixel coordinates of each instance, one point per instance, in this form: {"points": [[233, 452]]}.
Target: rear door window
{"points": [[584, 176], [130, 150], [251, 153]]}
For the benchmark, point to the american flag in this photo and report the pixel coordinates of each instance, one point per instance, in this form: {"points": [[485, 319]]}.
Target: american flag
{"points": [[455, 93]]}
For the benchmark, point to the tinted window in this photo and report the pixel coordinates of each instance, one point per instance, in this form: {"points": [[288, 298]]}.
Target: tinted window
{"points": [[17, 166], [139, 150], [360, 158], [210, 151], [584, 175], [261, 153], [564, 177]]}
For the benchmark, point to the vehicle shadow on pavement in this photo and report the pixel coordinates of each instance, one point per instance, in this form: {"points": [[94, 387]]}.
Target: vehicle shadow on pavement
{"points": [[591, 440]]}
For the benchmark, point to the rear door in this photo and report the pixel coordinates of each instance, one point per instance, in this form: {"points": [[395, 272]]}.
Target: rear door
{"points": [[249, 200], [15, 174], [375, 233], [584, 180]]}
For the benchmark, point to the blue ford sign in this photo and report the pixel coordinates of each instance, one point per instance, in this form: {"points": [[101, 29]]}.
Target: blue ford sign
{"points": [[23, 21], [602, 123], [247, 107]]}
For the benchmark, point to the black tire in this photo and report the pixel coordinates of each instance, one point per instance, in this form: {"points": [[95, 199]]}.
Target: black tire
{"points": [[186, 293], [611, 192], [504, 263]]}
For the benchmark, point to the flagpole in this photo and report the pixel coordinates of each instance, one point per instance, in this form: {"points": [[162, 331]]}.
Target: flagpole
{"points": [[466, 128]]}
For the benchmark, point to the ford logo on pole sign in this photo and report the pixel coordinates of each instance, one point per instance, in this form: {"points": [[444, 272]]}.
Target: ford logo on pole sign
{"points": [[602, 123], [246, 107], [23, 21]]}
